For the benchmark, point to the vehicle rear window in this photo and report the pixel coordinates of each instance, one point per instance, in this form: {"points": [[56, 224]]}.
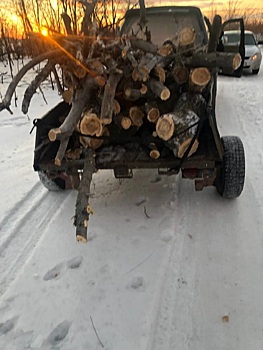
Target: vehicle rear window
{"points": [[166, 26]]}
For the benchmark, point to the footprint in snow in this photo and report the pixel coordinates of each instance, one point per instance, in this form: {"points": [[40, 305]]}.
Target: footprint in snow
{"points": [[137, 283], [73, 263], [58, 334], [54, 273], [8, 325]]}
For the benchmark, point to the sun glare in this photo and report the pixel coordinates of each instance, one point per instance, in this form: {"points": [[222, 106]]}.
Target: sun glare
{"points": [[44, 31], [14, 19]]}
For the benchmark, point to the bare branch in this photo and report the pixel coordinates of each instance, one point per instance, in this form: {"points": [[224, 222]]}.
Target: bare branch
{"points": [[5, 104]]}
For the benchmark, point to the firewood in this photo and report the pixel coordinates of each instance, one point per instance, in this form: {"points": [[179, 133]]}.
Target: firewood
{"points": [[160, 73], [93, 142], [143, 45], [198, 79], [96, 66], [90, 124], [136, 115], [123, 121], [180, 74], [66, 129], [153, 112], [82, 216], [5, 104], [32, 88], [116, 107], [179, 123], [166, 49], [67, 96], [214, 59], [159, 89], [154, 153], [132, 94], [143, 89], [187, 38], [107, 106], [188, 109]]}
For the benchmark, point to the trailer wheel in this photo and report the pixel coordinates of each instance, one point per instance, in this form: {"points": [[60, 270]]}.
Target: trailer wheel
{"points": [[58, 182], [231, 180]]}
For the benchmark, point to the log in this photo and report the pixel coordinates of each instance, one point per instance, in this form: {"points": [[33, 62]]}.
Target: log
{"points": [[123, 121], [188, 109], [159, 89], [80, 101], [143, 45], [136, 115], [199, 79], [160, 73], [5, 104], [180, 74], [180, 121], [179, 146], [154, 153], [93, 142], [32, 88], [153, 113], [83, 208], [166, 49], [67, 96], [187, 38], [90, 124], [214, 59], [107, 106]]}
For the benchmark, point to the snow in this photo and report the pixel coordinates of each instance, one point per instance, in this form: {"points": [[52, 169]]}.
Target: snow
{"points": [[188, 275]]}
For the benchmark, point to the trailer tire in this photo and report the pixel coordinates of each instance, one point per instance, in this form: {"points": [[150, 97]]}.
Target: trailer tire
{"points": [[231, 180], [60, 182]]}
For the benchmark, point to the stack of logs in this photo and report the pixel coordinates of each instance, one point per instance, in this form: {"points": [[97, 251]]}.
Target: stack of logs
{"points": [[128, 84]]}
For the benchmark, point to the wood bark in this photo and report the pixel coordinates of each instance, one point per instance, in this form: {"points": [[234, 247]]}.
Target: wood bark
{"points": [[159, 89], [83, 208], [34, 85], [107, 105], [136, 115], [5, 104], [214, 59], [188, 110]]}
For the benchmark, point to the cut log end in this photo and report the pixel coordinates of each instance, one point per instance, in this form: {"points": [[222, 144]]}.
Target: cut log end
{"points": [[90, 124], [81, 239], [187, 37], [153, 115], [155, 154], [199, 78], [126, 123], [165, 127], [237, 60], [52, 135], [183, 147]]}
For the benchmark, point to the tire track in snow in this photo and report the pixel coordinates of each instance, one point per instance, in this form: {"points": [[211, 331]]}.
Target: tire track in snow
{"points": [[168, 286], [22, 228]]}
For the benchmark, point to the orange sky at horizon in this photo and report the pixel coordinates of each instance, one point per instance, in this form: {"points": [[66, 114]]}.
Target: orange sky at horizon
{"points": [[207, 7]]}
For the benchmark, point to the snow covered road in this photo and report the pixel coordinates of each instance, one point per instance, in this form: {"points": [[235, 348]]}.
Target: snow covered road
{"points": [[189, 276]]}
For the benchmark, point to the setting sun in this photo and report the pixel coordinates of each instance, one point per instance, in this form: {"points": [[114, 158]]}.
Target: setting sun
{"points": [[44, 31]]}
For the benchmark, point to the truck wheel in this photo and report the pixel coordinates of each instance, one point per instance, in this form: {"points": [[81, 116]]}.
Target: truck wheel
{"points": [[230, 183], [255, 71], [58, 182]]}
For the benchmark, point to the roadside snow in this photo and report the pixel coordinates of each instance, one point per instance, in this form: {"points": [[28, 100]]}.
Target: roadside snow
{"points": [[188, 277]]}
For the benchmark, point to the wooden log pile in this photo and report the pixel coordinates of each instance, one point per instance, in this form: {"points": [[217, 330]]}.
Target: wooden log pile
{"points": [[116, 84]]}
